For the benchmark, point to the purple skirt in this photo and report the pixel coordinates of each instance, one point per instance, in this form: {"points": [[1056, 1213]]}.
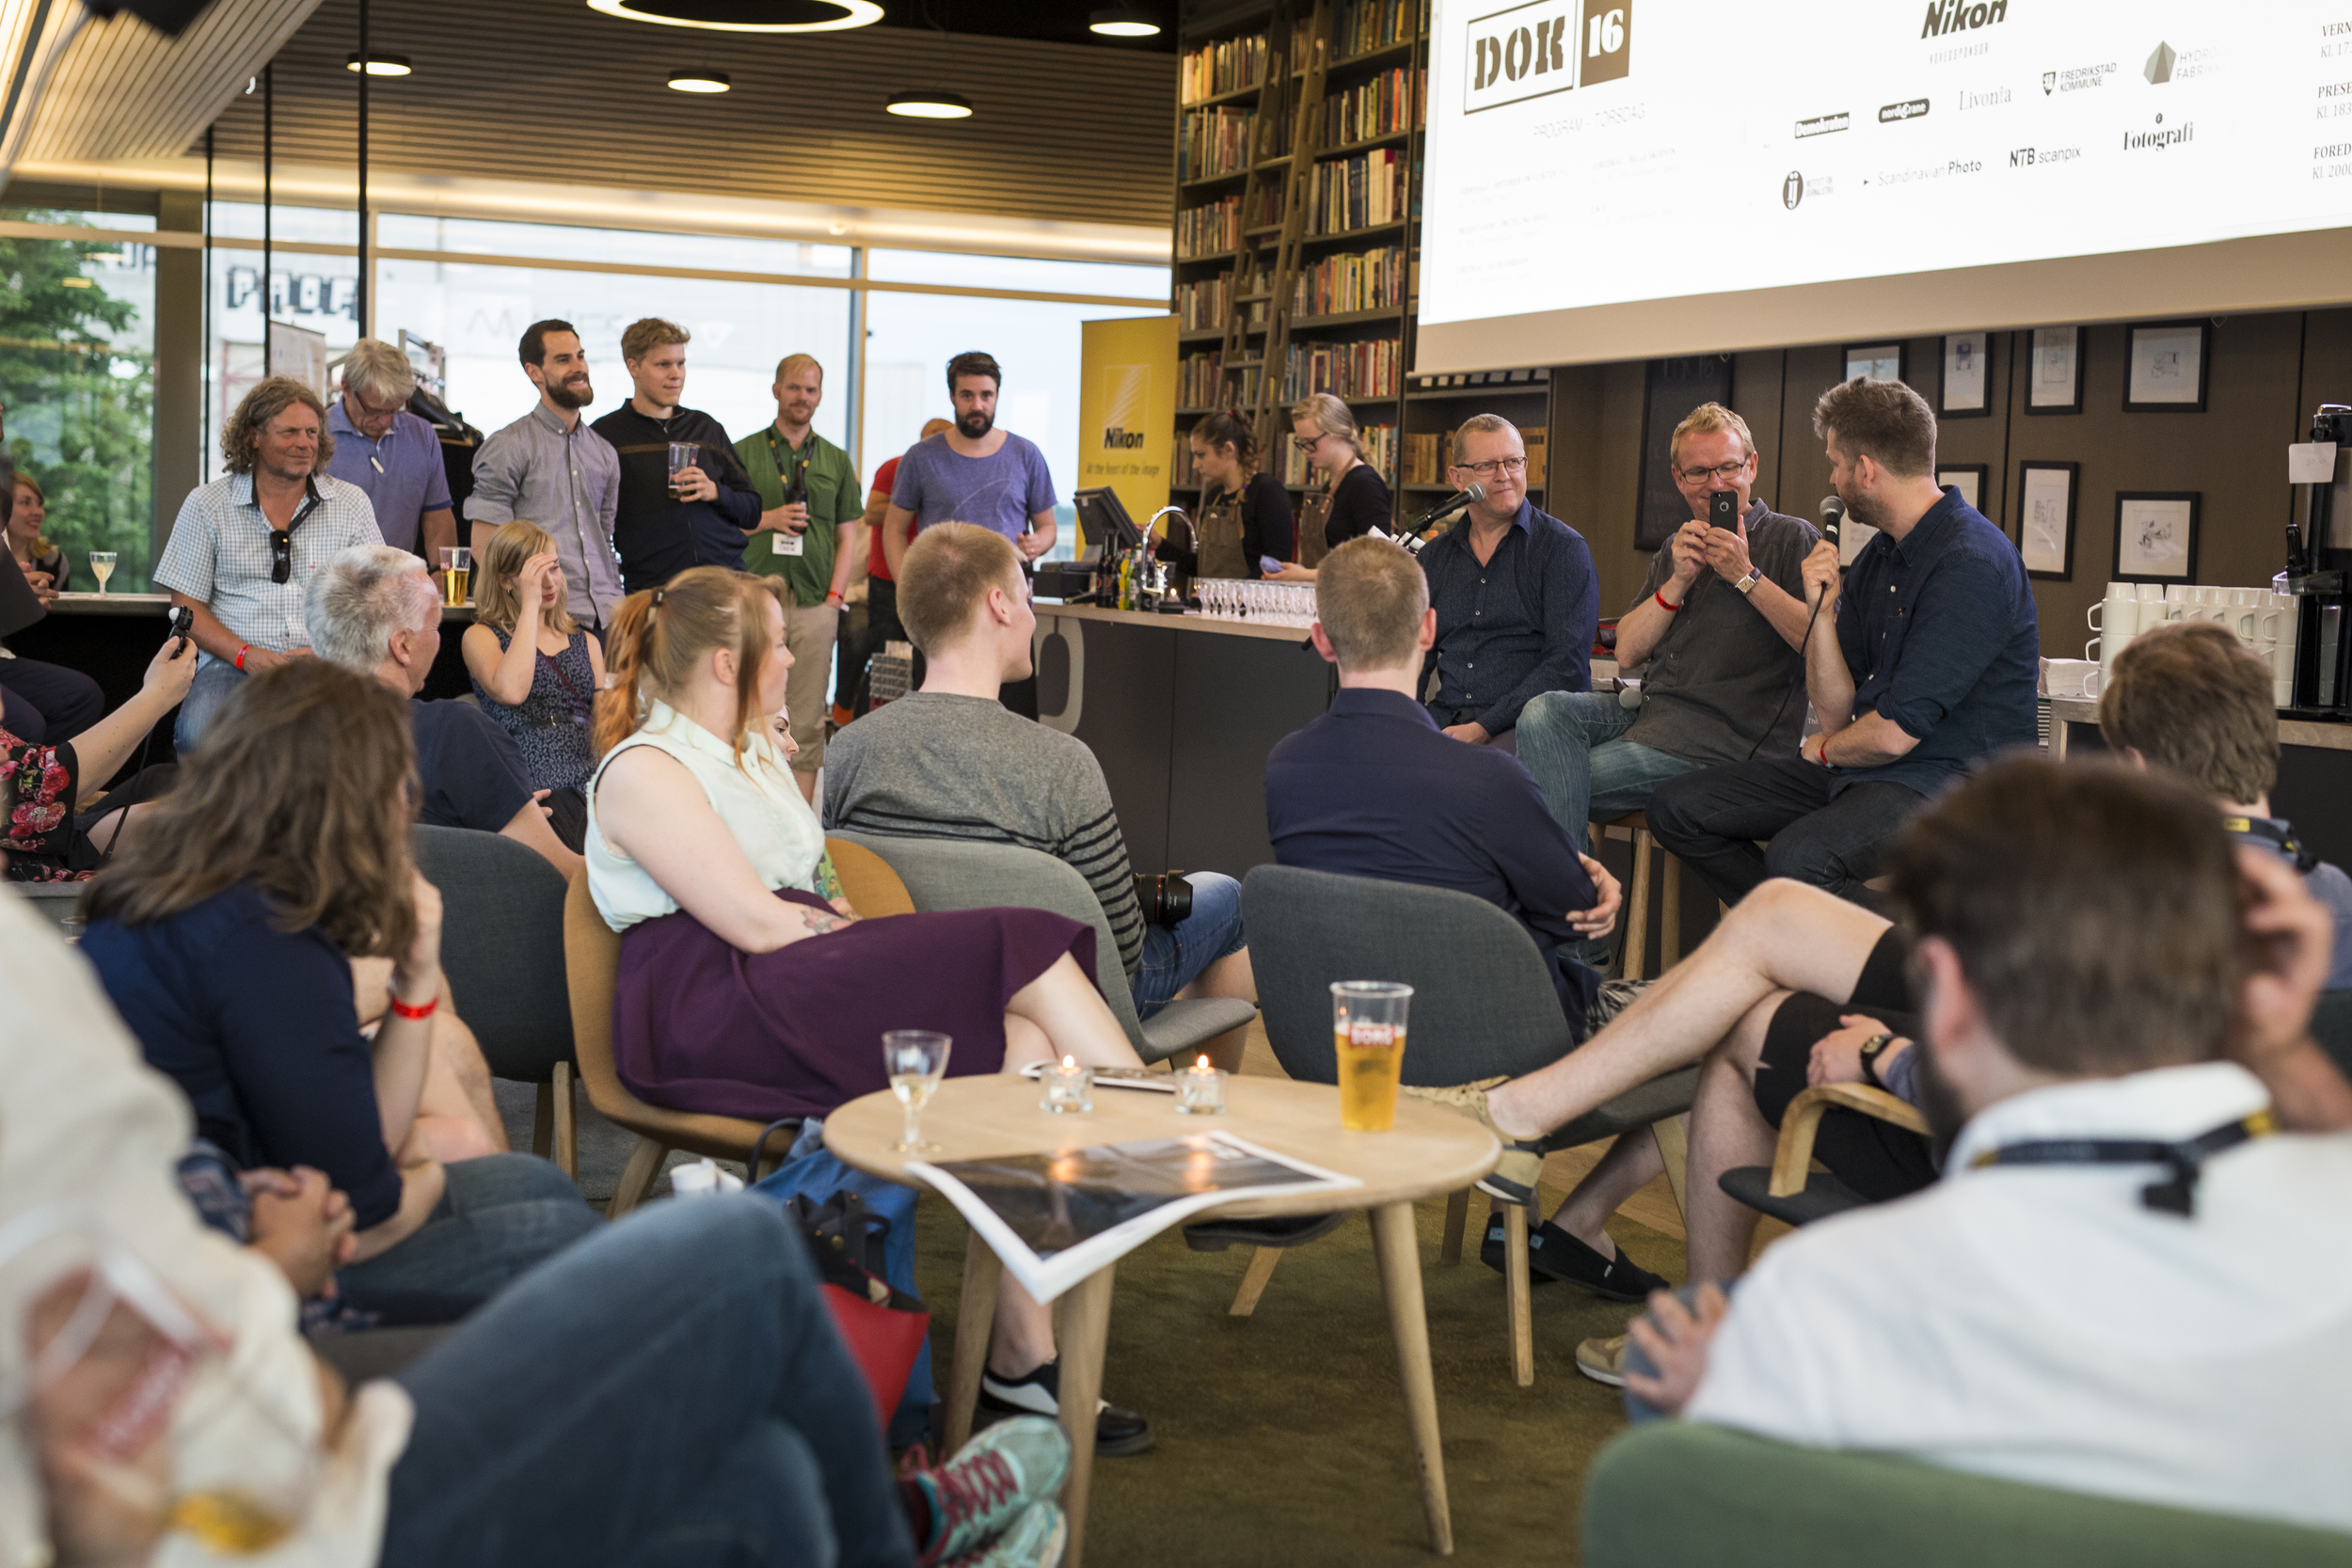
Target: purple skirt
{"points": [[700, 1026]]}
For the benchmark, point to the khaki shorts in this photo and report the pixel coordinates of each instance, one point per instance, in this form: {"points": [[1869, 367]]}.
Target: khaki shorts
{"points": [[809, 631]]}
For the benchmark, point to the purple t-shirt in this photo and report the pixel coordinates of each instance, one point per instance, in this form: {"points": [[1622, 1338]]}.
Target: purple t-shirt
{"points": [[1002, 491]]}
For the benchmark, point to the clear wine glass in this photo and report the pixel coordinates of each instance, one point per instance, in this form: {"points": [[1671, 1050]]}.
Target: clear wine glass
{"points": [[101, 566], [916, 1059]]}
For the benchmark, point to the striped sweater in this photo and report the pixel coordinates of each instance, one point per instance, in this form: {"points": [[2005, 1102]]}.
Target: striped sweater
{"points": [[932, 766]]}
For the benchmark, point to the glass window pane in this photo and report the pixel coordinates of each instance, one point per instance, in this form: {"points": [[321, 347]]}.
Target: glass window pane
{"points": [[320, 292], [1017, 272], [142, 223], [236, 220], [741, 330], [562, 241], [78, 374]]}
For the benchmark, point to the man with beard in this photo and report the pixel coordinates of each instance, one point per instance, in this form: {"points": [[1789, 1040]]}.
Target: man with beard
{"points": [[668, 520], [975, 473], [1921, 666], [549, 469]]}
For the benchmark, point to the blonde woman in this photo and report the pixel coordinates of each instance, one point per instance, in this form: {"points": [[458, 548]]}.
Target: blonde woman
{"points": [[1354, 500], [541, 688], [33, 553]]}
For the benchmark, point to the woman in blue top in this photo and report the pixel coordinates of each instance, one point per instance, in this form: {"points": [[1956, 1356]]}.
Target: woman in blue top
{"points": [[541, 688], [224, 931]]}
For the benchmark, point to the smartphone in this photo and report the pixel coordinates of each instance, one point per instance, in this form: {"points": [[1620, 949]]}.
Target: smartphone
{"points": [[1722, 509]]}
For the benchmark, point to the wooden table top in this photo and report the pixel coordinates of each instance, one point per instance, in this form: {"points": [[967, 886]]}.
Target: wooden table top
{"points": [[1429, 1152]]}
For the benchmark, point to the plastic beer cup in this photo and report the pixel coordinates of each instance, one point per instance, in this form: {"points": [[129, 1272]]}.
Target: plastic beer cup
{"points": [[1367, 1039]]}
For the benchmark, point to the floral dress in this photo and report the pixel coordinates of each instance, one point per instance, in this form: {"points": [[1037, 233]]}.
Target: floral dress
{"points": [[550, 724], [38, 784]]}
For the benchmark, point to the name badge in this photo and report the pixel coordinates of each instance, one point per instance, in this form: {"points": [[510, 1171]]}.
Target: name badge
{"points": [[788, 544]]}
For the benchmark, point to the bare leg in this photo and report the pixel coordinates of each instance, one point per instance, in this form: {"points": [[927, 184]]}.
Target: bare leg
{"points": [[1727, 1131], [1630, 1164], [1064, 1003], [1785, 936], [1023, 1339], [1230, 976], [1024, 1043]]}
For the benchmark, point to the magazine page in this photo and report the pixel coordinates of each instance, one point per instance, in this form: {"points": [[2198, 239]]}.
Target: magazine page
{"points": [[1057, 1218]]}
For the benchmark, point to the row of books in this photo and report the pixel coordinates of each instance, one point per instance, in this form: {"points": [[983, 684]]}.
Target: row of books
{"points": [[1209, 230], [1266, 207], [1379, 444], [1197, 385], [1390, 102], [1217, 69], [1358, 192], [1203, 304], [1366, 280], [1370, 369], [1426, 456], [1214, 142], [1363, 26]]}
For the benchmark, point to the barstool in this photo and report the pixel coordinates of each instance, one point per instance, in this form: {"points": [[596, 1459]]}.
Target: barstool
{"points": [[1647, 857]]}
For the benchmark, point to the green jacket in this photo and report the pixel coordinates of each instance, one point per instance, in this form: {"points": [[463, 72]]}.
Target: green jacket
{"points": [[833, 500]]}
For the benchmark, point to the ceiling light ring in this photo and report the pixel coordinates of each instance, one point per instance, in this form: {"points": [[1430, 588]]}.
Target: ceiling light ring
{"points": [[855, 13]]}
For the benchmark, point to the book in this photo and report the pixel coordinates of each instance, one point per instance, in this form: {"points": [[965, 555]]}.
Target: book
{"points": [[1056, 1218]]}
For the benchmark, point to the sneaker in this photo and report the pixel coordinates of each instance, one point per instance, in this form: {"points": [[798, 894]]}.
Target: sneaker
{"points": [[976, 1497], [1555, 1253], [1603, 1360], [1490, 1252], [1117, 1433], [1035, 1539], [1514, 1179]]}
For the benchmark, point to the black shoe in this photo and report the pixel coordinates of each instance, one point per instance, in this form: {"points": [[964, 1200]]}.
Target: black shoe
{"points": [[1289, 1230], [1490, 1252], [1554, 1252], [1117, 1433]]}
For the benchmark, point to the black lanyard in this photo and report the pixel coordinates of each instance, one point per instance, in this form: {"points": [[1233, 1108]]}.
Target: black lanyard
{"points": [[2186, 1159], [2276, 834]]}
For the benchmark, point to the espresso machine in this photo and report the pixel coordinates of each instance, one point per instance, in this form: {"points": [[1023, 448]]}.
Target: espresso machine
{"points": [[2319, 565]]}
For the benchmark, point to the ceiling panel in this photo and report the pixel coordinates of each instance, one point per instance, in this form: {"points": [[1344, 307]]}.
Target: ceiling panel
{"points": [[124, 91]]}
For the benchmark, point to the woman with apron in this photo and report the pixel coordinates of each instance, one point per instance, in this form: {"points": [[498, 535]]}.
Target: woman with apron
{"points": [[1244, 516], [1353, 500]]}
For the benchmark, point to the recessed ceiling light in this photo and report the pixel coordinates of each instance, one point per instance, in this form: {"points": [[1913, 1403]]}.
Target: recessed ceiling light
{"points": [[1122, 22], [379, 65], [929, 105], [747, 16], [699, 81]]}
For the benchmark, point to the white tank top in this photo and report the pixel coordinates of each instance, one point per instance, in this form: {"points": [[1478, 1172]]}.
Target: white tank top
{"points": [[773, 827]]}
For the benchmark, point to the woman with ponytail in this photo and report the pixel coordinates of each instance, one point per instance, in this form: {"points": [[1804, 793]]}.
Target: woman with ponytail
{"points": [[1245, 515]]}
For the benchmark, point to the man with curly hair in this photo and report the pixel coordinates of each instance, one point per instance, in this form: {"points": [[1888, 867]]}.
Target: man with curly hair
{"points": [[243, 546]]}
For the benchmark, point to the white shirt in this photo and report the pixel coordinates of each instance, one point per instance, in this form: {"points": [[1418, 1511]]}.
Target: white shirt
{"points": [[2038, 1323], [756, 797], [219, 554], [88, 1137]]}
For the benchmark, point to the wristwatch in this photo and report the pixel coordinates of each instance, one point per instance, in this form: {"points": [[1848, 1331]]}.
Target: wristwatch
{"points": [[1872, 1049], [1747, 584]]}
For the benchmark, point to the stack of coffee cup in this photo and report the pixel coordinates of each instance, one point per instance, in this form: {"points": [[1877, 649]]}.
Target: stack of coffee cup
{"points": [[2262, 619], [2129, 609]]}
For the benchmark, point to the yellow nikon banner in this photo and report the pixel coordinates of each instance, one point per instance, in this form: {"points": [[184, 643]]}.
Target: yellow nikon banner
{"points": [[1127, 410]]}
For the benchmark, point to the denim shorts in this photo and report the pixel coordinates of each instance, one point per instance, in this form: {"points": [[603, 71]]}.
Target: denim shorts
{"points": [[1174, 955]]}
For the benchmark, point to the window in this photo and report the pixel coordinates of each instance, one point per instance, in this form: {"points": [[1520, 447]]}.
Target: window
{"points": [[306, 289]]}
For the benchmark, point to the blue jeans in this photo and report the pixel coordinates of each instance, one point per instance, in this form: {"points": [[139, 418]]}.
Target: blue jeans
{"points": [[669, 1392], [497, 1216], [1174, 955], [1571, 742], [215, 680]]}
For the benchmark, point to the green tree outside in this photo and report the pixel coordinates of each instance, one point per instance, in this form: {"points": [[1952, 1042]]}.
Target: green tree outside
{"points": [[80, 400]]}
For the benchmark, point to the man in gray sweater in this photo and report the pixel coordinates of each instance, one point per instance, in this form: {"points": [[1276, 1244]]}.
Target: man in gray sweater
{"points": [[950, 761]]}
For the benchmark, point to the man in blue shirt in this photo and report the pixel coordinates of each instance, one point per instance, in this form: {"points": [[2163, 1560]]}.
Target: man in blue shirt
{"points": [[1374, 788], [1515, 595], [1924, 663], [391, 453]]}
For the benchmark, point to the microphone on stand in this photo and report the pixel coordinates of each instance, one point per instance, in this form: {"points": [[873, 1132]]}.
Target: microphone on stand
{"points": [[1466, 496]]}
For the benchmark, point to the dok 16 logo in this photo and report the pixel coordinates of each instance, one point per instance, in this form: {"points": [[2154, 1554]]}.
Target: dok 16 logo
{"points": [[1531, 51]]}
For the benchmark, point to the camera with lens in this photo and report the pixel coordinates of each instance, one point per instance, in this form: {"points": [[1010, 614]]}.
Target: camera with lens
{"points": [[1166, 899]]}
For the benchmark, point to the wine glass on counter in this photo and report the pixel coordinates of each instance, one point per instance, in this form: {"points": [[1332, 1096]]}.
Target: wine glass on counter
{"points": [[101, 566]]}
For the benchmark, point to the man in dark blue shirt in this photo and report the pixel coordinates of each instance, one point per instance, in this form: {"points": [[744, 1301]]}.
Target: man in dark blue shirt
{"points": [[1517, 600], [1372, 788], [1922, 665]]}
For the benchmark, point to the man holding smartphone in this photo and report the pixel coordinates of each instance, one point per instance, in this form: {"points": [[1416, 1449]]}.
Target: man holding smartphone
{"points": [[1716, 638]]}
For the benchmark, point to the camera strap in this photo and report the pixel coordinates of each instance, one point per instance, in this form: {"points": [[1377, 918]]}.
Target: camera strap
{"points": [[2278, 834], [2186, 1159]]}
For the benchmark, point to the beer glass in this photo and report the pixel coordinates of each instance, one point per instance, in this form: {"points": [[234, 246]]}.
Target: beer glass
{"points": [[101, 566], [456, 569], [682, 457], [1368, 1038]]}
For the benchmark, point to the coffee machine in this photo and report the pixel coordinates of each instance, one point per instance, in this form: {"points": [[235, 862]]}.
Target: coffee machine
{"points": [[2319, 566]]}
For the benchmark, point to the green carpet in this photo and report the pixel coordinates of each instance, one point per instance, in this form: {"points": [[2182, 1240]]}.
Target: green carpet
{"points": [[1281, 1436]]}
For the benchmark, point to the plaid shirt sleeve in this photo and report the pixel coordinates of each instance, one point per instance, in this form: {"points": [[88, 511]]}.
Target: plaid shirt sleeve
{"points": [[187, 563]]}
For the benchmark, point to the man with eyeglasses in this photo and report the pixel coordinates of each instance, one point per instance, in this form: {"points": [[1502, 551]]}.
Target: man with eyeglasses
{"points": [[1716, 636], [243, 546], [391, 453], [1516, 596]]}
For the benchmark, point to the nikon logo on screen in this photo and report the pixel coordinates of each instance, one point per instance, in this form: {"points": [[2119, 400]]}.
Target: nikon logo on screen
{"points": [[1534, 49], [1962, 16]]}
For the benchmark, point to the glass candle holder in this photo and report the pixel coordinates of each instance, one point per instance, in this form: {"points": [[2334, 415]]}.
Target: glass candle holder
{"points": [[1068, 1087], [1200, 1090]]}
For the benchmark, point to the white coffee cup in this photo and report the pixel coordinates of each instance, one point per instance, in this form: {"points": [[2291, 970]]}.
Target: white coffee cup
{"points": [[2113, 614], [2257, 625]]}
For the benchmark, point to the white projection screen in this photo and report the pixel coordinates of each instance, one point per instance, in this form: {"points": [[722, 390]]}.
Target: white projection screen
{"points": [[1627, 178]]}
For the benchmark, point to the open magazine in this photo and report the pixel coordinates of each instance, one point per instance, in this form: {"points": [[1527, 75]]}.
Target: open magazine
{"points": [[1057, 1218]]}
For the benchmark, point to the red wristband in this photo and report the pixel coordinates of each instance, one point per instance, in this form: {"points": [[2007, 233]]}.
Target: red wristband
{"points": [[405, 1010], [1669, 608], [243, 649]]}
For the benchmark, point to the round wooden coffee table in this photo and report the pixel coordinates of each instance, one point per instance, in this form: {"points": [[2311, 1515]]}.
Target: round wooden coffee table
{"points": [[1429, 1152]]}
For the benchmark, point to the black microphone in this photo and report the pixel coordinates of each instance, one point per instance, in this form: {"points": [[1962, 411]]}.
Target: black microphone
{"points": [[1833, 519], [1467, 495]]}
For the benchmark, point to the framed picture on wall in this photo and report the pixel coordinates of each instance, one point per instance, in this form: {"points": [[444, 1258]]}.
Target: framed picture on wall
{"points": [[1878, 362], [1675, 388], [1967, 377], [2167, 367], [2045, 518], [2156, 535], [2054, 381], [1967, 478]]}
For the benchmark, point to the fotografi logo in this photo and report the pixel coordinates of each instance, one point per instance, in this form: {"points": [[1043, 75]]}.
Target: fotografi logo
{"points": [[1537, 49], [1962, 16], [2159, 67], [1126, 406]]}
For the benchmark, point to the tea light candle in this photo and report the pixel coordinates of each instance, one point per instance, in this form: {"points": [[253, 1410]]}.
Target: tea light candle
{"points": [[1068, 1087], [1200, 1090]]}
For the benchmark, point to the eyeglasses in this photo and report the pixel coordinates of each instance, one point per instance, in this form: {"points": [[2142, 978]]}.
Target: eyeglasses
{"points": [[1306, 443], [281, 554], [1726, 472], [372, 411], [1499, 465]]}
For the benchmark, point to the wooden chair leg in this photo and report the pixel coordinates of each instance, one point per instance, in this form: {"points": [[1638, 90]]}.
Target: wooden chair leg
{"points": [[1669, 912], [1253, 1281], [1636, 964], [638, 1177], [543, 1122], [1673, 1147], [975, 1320], [1520, 1309], [1457, 1221], [566, 1120]]}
